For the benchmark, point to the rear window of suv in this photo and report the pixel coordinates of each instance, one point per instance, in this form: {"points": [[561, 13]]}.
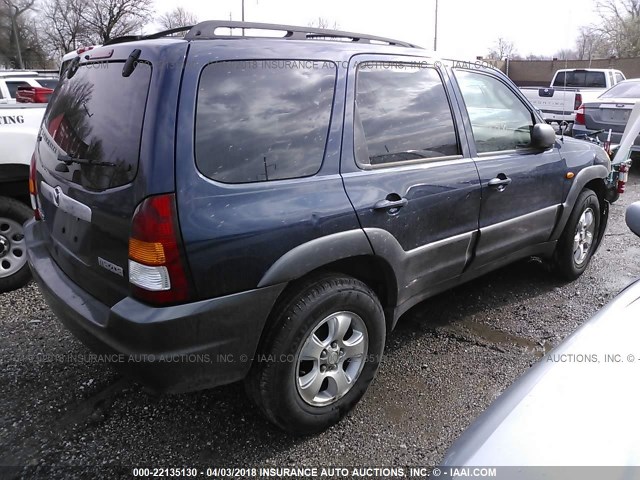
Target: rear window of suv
{"points": [[266, 120], [581, 78], [96, 117]]}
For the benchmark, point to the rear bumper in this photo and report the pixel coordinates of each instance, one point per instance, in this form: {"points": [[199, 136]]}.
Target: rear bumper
{"points": [[179, 348]]}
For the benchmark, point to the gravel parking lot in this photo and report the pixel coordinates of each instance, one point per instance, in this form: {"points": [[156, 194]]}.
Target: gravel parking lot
{"points": [[449, 358]]}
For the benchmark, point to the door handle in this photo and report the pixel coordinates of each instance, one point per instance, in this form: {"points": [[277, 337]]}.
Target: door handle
{"points": [[500, 182], [388, 204]]}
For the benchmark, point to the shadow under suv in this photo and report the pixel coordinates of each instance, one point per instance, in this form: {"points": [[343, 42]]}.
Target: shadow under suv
{"points": [[216, 208]]}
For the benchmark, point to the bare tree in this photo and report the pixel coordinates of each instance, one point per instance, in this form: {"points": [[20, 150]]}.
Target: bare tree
{"points": [[107, 19], [322, 22], [566, 54], [63, 26], [14, 10], [589, 44], [502, 49], [178, 17], [20, 44], [532, 57], [620, 27]]}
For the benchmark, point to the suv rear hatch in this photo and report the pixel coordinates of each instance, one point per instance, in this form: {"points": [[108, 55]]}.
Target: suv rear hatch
{"points": [[88, 158]]}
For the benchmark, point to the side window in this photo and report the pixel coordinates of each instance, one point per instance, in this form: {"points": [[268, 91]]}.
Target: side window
{"points": [[559, 80], [499, 120], [13, 87], [619, 77], [263, 120], [401, 113]]}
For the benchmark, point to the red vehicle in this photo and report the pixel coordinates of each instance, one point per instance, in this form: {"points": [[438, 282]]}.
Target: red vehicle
{"points": [[29, 94]]}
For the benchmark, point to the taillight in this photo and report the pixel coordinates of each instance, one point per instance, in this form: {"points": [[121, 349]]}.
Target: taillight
{"points": [[580, 116], [33, 188], [84, 49], [157, 271], [578, 101]]}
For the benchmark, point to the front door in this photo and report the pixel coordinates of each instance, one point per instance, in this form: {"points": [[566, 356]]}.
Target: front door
{"points": [[521, 186]]}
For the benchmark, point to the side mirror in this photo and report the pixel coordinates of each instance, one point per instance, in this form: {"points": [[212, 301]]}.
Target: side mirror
{"points": [[633, 217], [543, 136]]}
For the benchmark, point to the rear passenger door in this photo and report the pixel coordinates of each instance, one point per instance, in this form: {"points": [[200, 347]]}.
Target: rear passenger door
{"points": [[521, 186], [413, 185]]}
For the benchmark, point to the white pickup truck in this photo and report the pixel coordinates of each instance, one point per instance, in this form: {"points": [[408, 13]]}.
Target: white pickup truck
{"points": [[569, 89], [19, 127]]}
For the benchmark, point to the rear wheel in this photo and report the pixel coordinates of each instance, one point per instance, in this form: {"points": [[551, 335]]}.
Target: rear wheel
{"points": [[578, 240], [14, 271], [320, 354]]}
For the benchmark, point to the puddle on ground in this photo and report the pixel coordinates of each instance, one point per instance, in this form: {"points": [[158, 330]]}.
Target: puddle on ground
{"points": [[491, 336]]}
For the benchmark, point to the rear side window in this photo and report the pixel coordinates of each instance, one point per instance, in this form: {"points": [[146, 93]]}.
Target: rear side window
{"points": [[13, 87], [96, 117], [402, 113], [581, 78], [48, 82], [263, 120]]}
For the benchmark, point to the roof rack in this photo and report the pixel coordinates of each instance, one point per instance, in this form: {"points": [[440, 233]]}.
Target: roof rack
{"points": [[133, 38], [207, 30]]}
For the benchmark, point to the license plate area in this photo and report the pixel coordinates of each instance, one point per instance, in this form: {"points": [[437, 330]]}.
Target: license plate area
{"points": [[69, 221], [615, 115], [72, 233]]}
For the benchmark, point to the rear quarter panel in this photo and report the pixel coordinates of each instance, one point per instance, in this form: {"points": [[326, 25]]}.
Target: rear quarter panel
{"points": [[233, 233]]}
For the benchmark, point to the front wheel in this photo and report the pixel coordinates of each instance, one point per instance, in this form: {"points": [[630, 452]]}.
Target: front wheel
{"points": [[579, 238], [14, 271], [319, 355]]}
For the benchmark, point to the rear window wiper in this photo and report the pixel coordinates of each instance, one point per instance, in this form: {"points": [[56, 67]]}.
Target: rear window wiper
{"points": [[83, 161]]}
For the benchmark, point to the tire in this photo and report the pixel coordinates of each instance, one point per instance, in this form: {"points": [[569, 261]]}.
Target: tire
{"points": [[327, 318], [578, 240], [14, 271]]}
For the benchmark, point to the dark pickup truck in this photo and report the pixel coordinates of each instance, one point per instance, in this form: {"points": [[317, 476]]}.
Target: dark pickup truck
{"points": [[219, 207]]}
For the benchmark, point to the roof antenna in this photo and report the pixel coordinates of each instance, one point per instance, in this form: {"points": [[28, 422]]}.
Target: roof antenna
{"points": [[564, 124]]}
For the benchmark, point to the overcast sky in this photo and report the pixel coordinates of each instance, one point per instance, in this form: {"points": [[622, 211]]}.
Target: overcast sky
{"points": [[466, 28]]}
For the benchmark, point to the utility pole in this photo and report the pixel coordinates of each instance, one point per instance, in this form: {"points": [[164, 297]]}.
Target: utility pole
{"points": [[243, 16], [435, 35], [14, 26]]}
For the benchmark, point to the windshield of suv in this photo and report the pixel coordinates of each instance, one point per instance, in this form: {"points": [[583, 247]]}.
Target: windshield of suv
{"points": [[623, 90], [97, 116]]}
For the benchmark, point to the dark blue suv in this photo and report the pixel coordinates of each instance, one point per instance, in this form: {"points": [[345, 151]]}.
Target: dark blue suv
{"points": [[219, 207]]}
